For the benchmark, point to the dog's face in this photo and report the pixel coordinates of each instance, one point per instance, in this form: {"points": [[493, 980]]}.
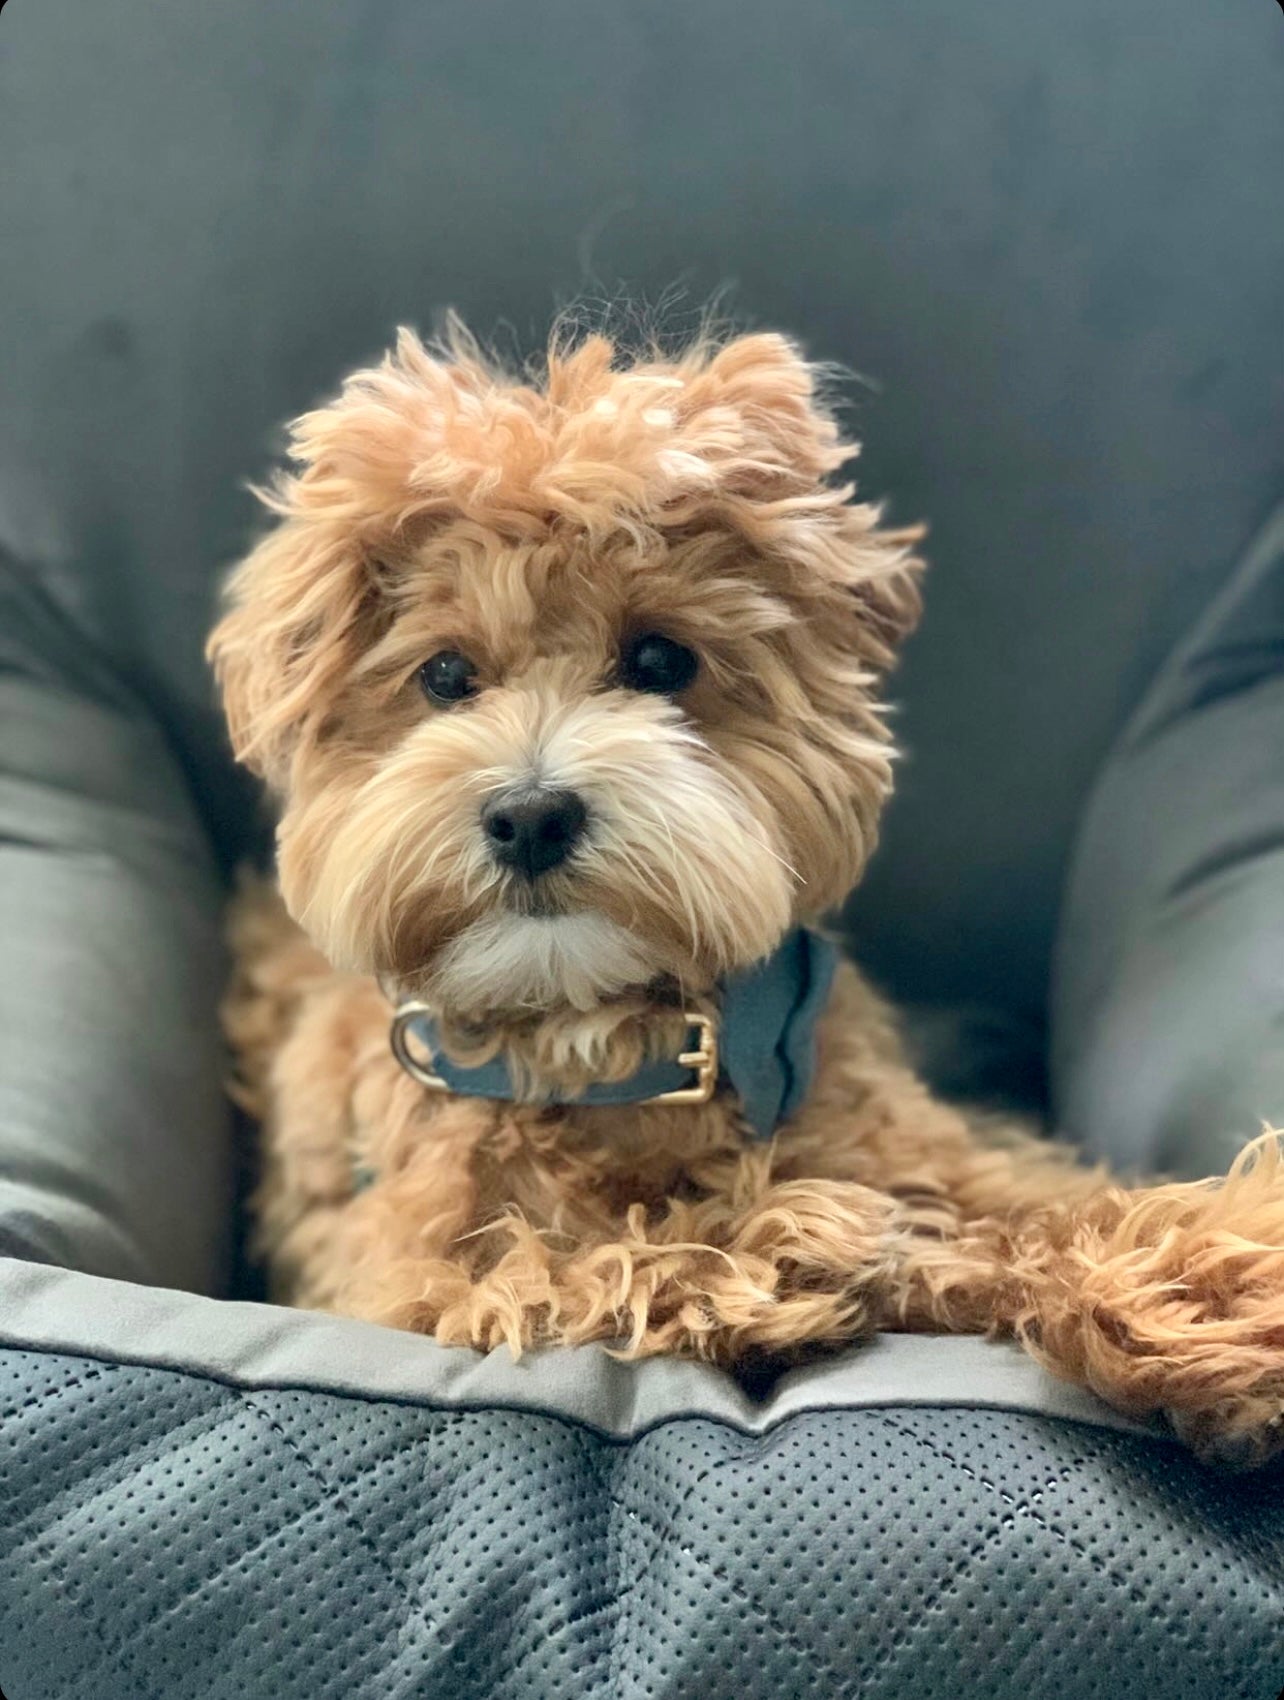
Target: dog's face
{"points": [[567, 688]]}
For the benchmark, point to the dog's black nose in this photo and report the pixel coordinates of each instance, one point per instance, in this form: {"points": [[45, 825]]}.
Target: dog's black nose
{"points": [[534, 831]]}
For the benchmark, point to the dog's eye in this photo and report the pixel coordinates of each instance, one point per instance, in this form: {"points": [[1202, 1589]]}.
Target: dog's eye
{"points": [[448, 676], [656, 663]]}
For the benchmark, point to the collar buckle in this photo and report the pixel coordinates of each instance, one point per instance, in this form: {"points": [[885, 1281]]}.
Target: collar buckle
{"points": [[399, 1039], [703, 1060]]}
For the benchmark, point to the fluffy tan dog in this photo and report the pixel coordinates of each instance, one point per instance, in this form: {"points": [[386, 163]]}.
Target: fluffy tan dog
{"points": [[569, 689]]}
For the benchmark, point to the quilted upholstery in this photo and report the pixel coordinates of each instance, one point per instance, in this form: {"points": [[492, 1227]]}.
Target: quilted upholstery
{"points": [[166, 1537]]}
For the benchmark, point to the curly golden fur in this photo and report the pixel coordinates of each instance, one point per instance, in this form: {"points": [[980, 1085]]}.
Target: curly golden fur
{"points": [[535, 526]]}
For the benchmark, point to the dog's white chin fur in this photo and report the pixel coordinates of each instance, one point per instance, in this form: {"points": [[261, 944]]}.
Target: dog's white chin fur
{"points": [[539, 962]]}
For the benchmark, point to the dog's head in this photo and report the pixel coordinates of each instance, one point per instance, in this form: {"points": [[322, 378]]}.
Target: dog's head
{"points": [[568, 687]]}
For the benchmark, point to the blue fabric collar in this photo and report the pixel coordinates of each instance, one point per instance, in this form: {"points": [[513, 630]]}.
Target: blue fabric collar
{"points": [[766, 1042]]}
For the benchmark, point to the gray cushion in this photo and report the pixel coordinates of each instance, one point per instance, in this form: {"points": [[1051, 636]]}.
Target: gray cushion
{"points": [[259, 1346], [1169, 1009], [114, 1129], [204, 1542]]}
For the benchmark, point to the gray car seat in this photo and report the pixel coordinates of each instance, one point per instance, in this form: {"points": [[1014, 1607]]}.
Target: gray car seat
{"points": [[1052, 240]]}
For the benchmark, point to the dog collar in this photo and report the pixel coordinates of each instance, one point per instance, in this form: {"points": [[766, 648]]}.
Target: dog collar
{"points": [[761, 1045]]}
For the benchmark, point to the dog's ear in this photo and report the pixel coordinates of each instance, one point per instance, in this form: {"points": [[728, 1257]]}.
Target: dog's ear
{"points": [[758, 403], [302, 603], [295, 607], [882, 573], [782, 447]]}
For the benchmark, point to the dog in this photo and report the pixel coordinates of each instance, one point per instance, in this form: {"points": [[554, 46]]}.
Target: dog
{"points": [[570, 688]]}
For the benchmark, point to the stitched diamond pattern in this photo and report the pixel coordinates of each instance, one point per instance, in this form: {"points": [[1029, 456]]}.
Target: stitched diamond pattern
{"points": [[166, 1537]]}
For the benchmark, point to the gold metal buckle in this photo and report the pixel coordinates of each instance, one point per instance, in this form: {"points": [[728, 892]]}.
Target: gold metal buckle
{"points": [[703, 1060]]}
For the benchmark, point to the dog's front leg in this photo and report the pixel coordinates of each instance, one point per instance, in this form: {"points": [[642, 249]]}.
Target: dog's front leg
{"points": [[754, 1268], [1168, 1299]]}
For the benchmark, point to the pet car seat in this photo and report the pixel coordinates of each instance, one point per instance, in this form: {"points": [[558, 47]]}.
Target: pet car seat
{"points": [[1053, 237]]}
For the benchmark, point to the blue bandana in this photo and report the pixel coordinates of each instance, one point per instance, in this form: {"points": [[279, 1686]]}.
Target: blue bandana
{"points": [[765, 1045]]}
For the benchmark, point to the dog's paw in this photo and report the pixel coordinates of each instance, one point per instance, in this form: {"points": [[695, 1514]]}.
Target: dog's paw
{"points": [[1171, 1300], [1243, 1436], [799, 1267]]}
